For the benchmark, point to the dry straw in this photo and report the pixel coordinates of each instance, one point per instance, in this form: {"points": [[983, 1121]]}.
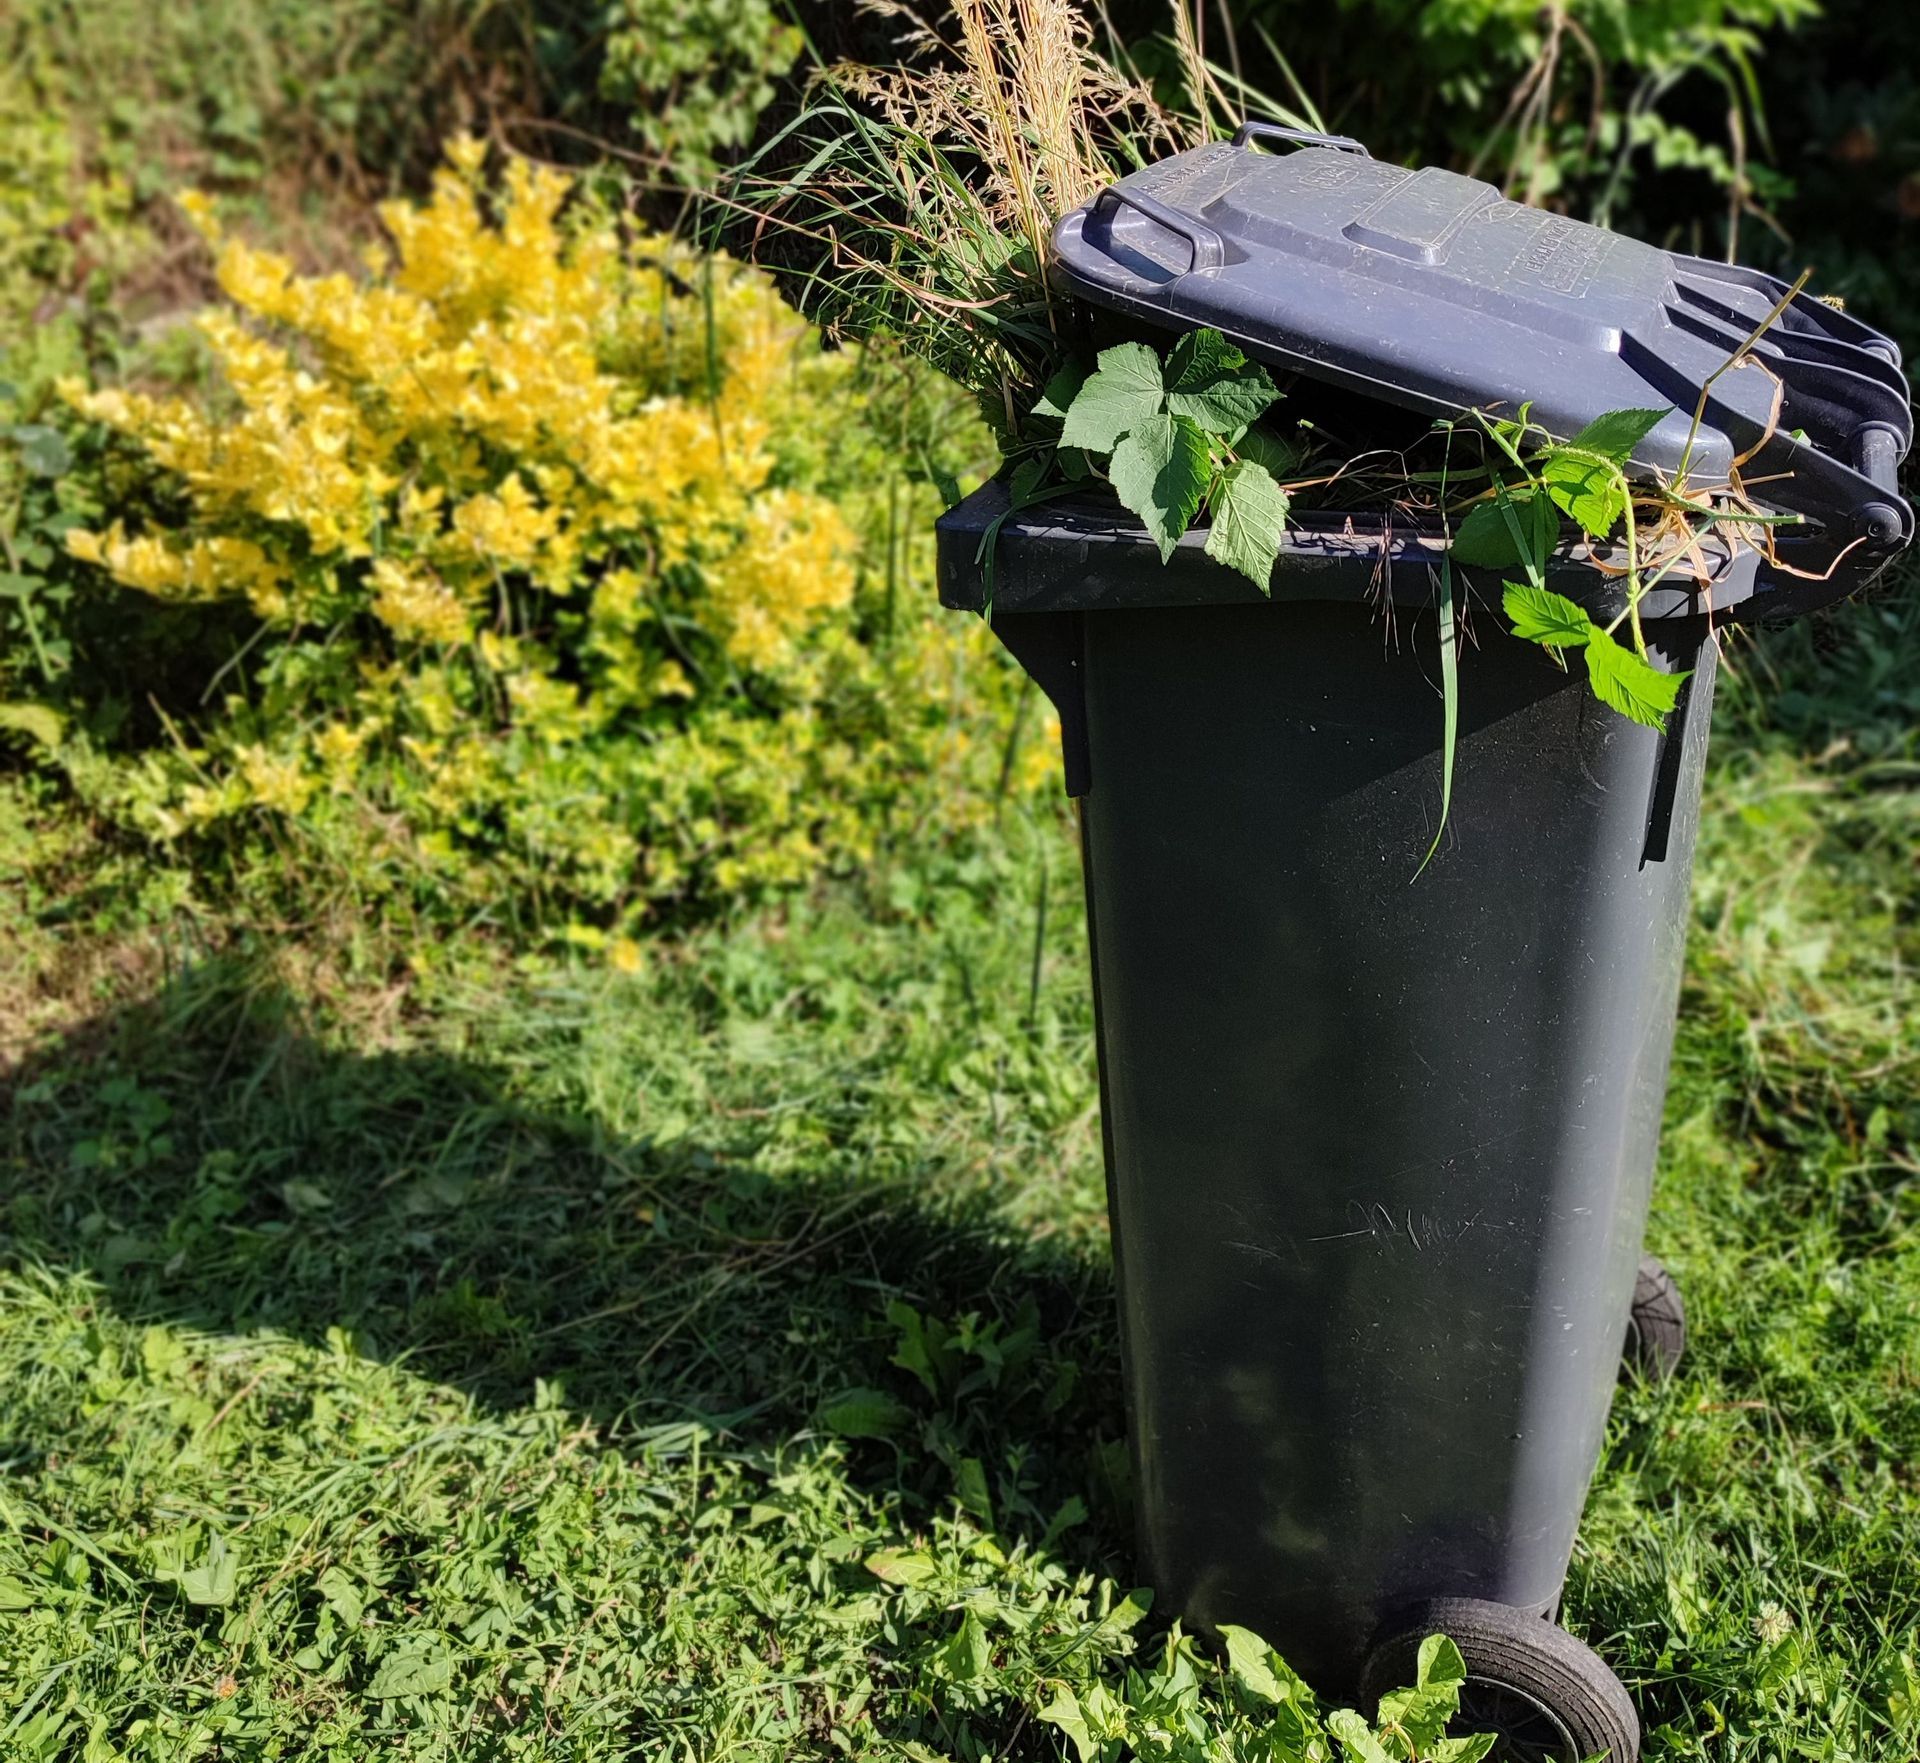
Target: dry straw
{"points": [[917, 199]]}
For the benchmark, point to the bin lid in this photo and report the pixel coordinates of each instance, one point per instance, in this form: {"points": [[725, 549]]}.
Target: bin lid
{"points": [[1429, 290]]}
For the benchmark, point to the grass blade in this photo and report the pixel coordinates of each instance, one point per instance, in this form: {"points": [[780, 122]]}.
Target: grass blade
{"points": [[1450, 693]]}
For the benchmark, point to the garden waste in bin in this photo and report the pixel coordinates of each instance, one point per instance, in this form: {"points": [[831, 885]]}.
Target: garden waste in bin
{"points": [[1379, 1149]]}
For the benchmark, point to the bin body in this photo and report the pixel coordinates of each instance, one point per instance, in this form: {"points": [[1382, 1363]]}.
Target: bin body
{"points": [[1379, 1141], [1379, 1150]]}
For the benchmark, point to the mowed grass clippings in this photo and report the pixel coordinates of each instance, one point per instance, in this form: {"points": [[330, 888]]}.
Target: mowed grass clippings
{"points": [[720, 1361]]}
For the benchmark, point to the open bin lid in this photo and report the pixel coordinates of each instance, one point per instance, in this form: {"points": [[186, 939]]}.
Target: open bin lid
{"points": [[1428, 290]]}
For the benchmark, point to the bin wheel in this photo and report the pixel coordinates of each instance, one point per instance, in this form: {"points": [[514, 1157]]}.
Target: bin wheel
{"points": [[1656, 1325], [1547, 1697]]}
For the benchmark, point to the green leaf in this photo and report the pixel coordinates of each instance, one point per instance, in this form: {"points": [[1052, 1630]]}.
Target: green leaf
{"points": [[1898, 1685], [970, 1489], [1484, 540], [1538, 615], [902, 1566], [1586, 488], [37, 722], [1249, 521], [1467, 1749], [1126, 390], [1064, 1712], [1247, 1663], [1259, 1670], [924, 1346], [1439, 1663], [305, 1197], [1061, 391], [863, 1414], [211, 1582], [342, 1594], [1160, 471], [1128, 1614], [1279, 455], [1356, 1737], [1510, 429], [1420, 1714], [1449, 705], [43, 450], [1073, 1511], [1624, 682], [1026, 479], [413, 1671], [1615, 435], [1214, 384], [967, 1655], [1780, 1665]]}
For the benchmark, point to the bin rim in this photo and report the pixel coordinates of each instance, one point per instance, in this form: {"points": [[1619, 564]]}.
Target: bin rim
{"points": [[1085, 553]]}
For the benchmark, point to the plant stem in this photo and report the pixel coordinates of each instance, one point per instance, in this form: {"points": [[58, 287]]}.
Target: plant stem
{"points": [[1634, 587], [1732, 361]]}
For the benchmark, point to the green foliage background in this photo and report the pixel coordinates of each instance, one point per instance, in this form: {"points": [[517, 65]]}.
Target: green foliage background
{"points": [[419, 1339]]}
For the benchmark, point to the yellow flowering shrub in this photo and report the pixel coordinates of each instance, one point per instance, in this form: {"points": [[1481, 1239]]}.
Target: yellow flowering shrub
{"points": [[553, 573]]}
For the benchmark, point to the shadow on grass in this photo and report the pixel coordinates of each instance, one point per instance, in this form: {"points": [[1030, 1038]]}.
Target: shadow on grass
{"points": [[214, 1165]]}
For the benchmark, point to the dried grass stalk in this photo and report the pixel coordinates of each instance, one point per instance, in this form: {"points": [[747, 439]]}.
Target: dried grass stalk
{"points": [[930, 188]]}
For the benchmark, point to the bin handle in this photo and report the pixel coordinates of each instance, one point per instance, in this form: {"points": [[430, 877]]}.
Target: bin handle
{"points": [[1208, 248], [1249, 132]]}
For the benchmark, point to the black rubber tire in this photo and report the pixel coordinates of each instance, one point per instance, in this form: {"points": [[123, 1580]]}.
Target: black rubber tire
{"points": [[1656, 1325], [1551, 1698]]}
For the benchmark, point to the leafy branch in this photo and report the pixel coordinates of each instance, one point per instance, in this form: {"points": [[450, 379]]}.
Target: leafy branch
{"points": [[1176, 439], [1585, 479]]}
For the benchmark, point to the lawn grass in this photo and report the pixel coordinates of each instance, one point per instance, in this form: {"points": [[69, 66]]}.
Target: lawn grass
{"points": [[720, 1362]]}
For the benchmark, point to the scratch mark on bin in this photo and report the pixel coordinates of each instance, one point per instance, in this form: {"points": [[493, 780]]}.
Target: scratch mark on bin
{"points": [[1423, 1230]]}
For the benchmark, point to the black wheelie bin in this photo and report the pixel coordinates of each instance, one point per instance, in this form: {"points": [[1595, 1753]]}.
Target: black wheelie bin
{"points": [[1379, 1150]]}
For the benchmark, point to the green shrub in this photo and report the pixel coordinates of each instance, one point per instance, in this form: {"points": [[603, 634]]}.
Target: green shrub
{"points": [[1845, 109], [232, 92], [66, 234], [1649, 110], [691, 77]]}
